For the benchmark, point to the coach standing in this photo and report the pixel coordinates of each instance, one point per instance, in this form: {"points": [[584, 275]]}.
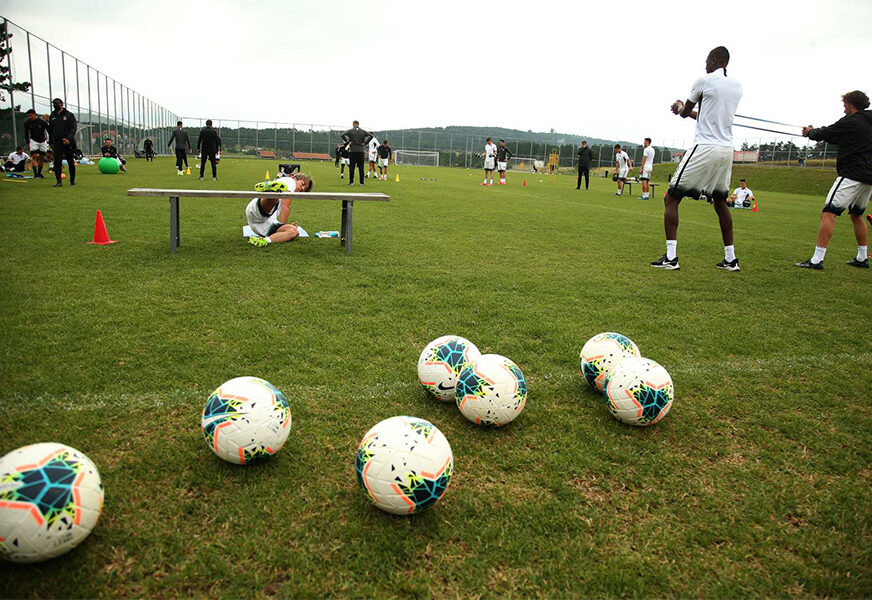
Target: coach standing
{"points": [[62, 136], [208, 146], [356, 139], [182, 146], [584, 159]]}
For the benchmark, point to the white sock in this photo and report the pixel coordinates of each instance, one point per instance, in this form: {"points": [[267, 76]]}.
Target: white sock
{"points": [[862, 252], [491, 180], [485, 180], [819, 254], [645, 196], [671, 249], [729, 253]]}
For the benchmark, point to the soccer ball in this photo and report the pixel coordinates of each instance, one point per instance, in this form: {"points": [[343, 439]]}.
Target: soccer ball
{"points": [[441, 361], [491, 390], [601, 354], [639, 392], [50, 500], [404, 464], [246, 420]]}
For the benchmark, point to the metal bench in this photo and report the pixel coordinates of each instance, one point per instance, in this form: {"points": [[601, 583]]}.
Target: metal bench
{"points": [[347, 199]]}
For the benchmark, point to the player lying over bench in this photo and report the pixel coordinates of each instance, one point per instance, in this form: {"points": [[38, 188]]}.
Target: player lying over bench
{"points": [[268, 217]]}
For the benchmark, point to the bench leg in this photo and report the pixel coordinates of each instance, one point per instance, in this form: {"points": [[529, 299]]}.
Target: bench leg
{"points": [[348, 226], [344, 225], [174, 224]]}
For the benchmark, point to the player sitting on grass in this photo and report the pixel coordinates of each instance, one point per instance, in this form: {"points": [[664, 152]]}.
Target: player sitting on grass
{"points": [[740, 194], [853, 186], [268, 217]]}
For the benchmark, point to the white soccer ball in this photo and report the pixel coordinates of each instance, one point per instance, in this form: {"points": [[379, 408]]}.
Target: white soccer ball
{"points": [[404, 464], [491, 390], [246, 420], [639, 392], [601, 354], [441, 361], [50, 500]]}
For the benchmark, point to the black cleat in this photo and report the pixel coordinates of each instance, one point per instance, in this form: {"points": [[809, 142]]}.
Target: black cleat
{"points": [[58, 184], [665, 263], [807, 264], [729, 265], [862, 264]]}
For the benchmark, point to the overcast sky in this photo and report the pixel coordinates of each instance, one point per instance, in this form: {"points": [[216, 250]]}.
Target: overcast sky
{"points": [[602, 69]]}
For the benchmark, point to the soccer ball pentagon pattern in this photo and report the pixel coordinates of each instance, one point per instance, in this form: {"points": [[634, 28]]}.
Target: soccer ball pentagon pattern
{"points": [[441, 361], [601, 354], [246, 420], [639, 392], [491, 390], [404, 464], [50, 500]]}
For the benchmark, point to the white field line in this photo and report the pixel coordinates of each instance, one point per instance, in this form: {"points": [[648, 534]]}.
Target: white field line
{"points": [[16, 404]]}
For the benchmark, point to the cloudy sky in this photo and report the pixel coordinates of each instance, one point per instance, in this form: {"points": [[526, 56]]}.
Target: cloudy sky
{"points": [[604, 69]]}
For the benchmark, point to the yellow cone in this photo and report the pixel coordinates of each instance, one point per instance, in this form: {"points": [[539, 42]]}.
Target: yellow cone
{"points": [[188, 171], [266, 176], [398, 178]]}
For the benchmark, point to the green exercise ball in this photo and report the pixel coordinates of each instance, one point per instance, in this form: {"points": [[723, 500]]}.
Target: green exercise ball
{"points": [[108, 165]]}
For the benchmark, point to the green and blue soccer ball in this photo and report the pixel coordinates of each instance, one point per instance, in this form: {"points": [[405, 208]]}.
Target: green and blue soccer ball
{"points": [[639, 392], [491, 390], [51, 497], [246, 420], [441, 361], [404, 465], [601, 354]]}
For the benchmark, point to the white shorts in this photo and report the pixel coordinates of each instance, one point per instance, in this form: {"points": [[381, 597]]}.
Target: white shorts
{"points": [[646, 173], [850, 194], [38, 147], [261, 225], [704, 171], [489, 163], [344, 161], [383, 162], [373, 157], [623, 172], [501, 166]]}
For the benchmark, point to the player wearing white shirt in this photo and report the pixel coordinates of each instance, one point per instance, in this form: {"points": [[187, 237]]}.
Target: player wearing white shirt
{"points": [[706, 168], [740, 194], [268, 217], [490, 159], [646, 168], [16, 160], [622, 168], [372, 157]]}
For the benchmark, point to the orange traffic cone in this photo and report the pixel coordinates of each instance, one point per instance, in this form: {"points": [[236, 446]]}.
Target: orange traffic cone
{"points": [[101, 236], [524, 184], [755, 207]]}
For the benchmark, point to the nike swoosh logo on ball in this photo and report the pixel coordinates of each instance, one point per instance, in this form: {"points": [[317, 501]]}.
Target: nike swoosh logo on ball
{"points": [[444, 388]]}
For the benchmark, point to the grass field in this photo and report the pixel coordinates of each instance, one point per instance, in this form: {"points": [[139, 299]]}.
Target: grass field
{"points": [[757, 484]]}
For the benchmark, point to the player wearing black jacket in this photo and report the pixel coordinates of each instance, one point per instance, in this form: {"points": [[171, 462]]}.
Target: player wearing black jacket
{"points": [[148, 146], [62, 137], [384, 159], [208, 146], [853, 186], [356, 140], [584, 160], [108, 149], [503, 156], [36, 138]]}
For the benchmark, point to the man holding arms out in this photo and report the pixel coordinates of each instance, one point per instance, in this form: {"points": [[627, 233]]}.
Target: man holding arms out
{"points": [[646, 168], [584, 159], [357, 140], [182, 146], [208, 146], [62, 137], [706, 168], [853, 185], [384, 159], [622, 168], [740, 194], [490, 157], [36, 136], [268, 217]]}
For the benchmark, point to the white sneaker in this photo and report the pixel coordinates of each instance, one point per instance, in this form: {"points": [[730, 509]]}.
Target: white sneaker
{"points": [[181, 172]]}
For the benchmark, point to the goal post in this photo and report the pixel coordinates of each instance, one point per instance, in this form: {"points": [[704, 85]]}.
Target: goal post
{"points": [[523, 164], [418, 158]]}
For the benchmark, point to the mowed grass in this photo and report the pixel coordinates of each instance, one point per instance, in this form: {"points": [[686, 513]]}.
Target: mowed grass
{"points": [[758, 483]]}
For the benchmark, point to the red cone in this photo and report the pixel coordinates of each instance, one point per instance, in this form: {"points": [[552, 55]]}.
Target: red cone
{"points": [[524, 184], [101, 236], [755, 207]]}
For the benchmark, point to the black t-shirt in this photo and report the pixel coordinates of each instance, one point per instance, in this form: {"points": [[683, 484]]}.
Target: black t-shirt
{"points": [[36, 130], [584, 157], [148, 145], [503, 153], [109, 150], [384, 151]]}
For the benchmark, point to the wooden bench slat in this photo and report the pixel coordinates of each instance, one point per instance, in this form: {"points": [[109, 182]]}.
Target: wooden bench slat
{"points": [[252, 194]]}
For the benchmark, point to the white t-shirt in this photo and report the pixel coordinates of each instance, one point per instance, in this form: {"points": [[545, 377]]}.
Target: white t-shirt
{"points": [[741, 194], [373, 144], [17, 158], [648, 154], [717, 98], [623, 159], [490, 150]]}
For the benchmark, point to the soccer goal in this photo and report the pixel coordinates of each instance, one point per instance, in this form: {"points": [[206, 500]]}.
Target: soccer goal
{"points": [[523, 164], [421, 158]]}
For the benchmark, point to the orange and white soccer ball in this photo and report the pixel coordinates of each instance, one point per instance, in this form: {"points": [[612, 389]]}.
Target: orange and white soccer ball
{"points": [[639, 392], [601, 354], [491, 390], [441, 361]]}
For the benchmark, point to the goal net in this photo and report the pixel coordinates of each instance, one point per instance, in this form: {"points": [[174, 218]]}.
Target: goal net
{"points": [[422, 158], [525, 164]]}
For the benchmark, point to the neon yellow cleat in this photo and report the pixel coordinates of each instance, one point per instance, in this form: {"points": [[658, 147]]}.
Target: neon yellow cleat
{"points": [[258, 241], [271, 186]]}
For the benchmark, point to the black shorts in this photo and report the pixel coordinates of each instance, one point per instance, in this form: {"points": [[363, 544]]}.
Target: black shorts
{"points": [[273, 228]]}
